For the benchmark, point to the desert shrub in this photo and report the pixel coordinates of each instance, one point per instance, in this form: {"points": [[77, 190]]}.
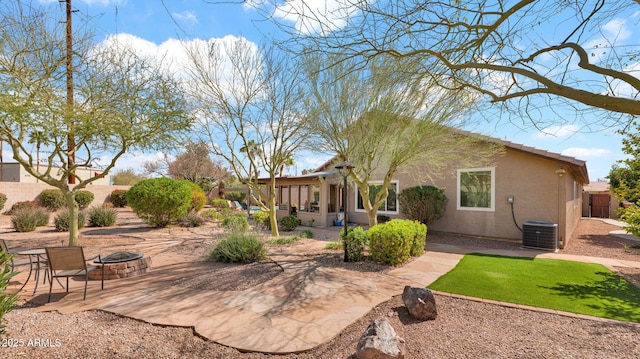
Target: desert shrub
{"points": [[394, 242], [423, 203], [236, 223], [334, 246], [261, 218], [306, 234], [118, 198], [212, 215], [3, 200], [631, 216], [191, 219], [102, 216], [357, 239], [289, 223], [41, 215], [61, 221], [25, 219], [24, 204], [219, 203], [84, 199], [51, 199], [6, 300], [235, 196], [159, 201], [198, 197], [239, 248]]}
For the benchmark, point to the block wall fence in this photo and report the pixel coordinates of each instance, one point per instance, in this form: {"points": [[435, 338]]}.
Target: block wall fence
{"points": [[18, 192]]}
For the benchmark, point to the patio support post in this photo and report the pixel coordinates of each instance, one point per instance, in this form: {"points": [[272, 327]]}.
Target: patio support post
{"points": [[345, 168]]}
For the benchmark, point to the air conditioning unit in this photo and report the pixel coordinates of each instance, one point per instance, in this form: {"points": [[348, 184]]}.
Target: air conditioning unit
{"points": [[540, 235]]}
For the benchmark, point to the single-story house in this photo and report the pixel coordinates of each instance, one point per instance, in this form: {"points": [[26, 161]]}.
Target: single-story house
{"points": [[523, 184], [598, 202]]}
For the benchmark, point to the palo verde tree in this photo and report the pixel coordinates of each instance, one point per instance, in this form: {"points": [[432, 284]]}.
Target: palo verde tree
{"points": [[392, 122], [248, 104], [527, 55], [123, 102]]}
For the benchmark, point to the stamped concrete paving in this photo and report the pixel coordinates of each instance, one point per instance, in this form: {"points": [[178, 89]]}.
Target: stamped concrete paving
{"points": [[305, 306]]}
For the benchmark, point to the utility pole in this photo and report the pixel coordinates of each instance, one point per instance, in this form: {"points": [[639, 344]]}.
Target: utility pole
{"points": [[71, 153]]}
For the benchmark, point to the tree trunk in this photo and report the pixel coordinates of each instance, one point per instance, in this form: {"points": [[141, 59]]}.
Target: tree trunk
{"points": [[273, 219], [72, 206]]}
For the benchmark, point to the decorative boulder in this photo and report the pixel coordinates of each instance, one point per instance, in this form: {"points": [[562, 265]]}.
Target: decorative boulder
{"points": [[420, 302], [380, 341]]}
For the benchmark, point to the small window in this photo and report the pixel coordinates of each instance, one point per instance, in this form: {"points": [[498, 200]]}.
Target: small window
{"points": [[389, 206], [476, 189]]}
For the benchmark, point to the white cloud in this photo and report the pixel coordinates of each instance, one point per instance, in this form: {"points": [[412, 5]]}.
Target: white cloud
{"points": [[186, 16], [315, 16], [588, 153], [557, 131]]}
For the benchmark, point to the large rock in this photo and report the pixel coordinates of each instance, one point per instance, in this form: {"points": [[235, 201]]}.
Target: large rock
{"points": [[380, 341], [420, 302]]}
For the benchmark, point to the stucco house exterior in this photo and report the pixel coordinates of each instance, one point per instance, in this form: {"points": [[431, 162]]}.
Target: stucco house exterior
{"points": [[522, 184]]}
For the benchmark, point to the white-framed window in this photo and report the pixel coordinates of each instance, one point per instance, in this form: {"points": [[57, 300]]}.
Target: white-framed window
{"points": [[390, 206], [476, 189]]}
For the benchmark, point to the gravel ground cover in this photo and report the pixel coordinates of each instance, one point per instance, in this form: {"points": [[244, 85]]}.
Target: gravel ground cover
{"points": [[463, 329]]}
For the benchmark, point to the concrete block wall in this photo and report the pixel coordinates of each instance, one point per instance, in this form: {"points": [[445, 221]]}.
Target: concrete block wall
{"points": [[18, 192]]}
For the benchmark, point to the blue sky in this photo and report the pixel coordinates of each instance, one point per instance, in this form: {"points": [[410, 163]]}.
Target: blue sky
{"points": [[156, 24]]}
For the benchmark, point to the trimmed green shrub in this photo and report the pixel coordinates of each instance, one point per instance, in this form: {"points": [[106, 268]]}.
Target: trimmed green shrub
{"points": [[159, 201], [423, 203], [236, 224], [357, 239], [84, 199], [3, 200], [631, 216], [7, 301], [198, 197], [261, 218], [306, 234], [51, 199], [25, 219], [394, 242], [118, 198], [235, 196], [289, 223], [102, 216], [191, 219], [239, 248], [219, 203], [24, 204], [61, 221]]}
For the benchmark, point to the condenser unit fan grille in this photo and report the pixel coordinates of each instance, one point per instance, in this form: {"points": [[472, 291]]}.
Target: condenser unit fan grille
{"points": [[540, 235]]}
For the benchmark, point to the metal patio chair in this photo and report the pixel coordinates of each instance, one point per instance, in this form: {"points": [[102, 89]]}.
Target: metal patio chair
{"points": [[65, 262]]}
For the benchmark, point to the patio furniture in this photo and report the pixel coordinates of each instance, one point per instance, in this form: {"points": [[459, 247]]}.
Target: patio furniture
{"points": [[14, 264], [70, 262]]}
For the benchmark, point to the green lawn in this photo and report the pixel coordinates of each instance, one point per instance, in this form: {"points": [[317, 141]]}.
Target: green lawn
{"points": [[575, 287]]}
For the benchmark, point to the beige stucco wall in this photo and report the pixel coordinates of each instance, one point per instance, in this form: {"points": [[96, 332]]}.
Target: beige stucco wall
{"points": [[18, 192], [532, 181]]}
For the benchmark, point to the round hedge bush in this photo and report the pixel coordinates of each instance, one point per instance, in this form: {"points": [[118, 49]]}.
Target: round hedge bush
{"points": [[52, 199], [198, 197], [396, 241], [423, 203], [84, 199], [118, 198], [289, 223], [160, 201]]}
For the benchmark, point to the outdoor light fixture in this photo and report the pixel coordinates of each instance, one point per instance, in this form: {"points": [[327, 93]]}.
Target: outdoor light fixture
{"points": [[345, 168]]}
